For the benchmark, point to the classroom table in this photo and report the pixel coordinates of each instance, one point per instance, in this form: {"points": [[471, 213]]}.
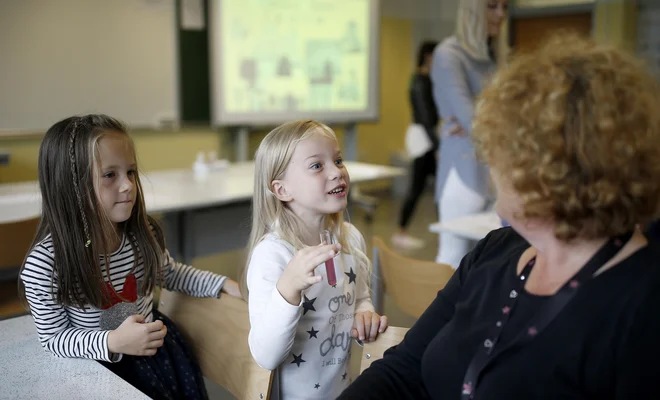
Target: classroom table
{"points": [[474, 227], [201, 216], [27, 371]]}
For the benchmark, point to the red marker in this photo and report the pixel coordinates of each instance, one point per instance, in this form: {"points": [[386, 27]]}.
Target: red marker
{"points": [[327, 238]]}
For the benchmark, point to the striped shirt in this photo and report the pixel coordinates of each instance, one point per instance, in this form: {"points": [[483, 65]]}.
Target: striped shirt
{"points": [[74, 332]]}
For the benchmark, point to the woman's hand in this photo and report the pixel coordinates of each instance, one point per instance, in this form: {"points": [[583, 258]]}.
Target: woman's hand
{"points": [[456, 128], [367, 325]]}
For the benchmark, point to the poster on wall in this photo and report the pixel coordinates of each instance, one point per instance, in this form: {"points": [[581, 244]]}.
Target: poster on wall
{"points": [[278, 60]]}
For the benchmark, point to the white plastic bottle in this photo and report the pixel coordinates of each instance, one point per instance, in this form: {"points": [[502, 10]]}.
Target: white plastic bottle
{"points": [[200, 167]]}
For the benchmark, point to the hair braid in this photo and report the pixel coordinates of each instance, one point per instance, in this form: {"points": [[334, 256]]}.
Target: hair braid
{"points": [[74, 174]]}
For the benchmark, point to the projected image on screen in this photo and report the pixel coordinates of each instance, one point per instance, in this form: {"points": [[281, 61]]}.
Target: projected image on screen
{"points": [[280, 59]]}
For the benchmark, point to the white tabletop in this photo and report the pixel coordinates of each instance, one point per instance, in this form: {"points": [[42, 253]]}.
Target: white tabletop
{"points": [[27, 371], [474, 227], [175, 190]]}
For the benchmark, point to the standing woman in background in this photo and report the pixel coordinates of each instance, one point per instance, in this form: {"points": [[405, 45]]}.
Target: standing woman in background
{"points": [[425, 118], [461, 65]]}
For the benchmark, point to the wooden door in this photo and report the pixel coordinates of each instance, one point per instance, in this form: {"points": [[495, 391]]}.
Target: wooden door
{"points": [[529, 32]]}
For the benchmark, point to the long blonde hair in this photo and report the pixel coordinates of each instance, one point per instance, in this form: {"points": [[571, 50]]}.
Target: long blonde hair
{"points": [[270, 215], [472, 32]]}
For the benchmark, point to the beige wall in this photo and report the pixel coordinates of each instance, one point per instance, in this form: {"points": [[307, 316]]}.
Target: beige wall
{"points": [[156, 150], [616, 23]]}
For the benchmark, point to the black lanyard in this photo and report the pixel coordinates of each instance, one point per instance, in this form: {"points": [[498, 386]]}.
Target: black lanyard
{"points": [[543, 317]]}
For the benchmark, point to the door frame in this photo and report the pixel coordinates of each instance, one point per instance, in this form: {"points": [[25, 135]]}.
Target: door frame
{"points": [[517, 13]]}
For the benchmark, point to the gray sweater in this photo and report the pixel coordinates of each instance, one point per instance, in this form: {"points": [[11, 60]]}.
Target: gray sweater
{"points": [[457, 81]]}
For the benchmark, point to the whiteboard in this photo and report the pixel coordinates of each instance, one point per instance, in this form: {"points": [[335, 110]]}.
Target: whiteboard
{"points": [[278, 60], [64, 57]]}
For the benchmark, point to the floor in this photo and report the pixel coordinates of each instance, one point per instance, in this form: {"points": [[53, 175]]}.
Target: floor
{"points": [[383, 225]]}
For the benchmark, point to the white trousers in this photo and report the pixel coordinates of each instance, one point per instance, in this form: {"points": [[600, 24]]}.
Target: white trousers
{"points": [[457, 200]]}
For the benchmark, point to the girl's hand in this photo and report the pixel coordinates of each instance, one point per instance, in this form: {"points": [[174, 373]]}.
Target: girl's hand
{"points": [[135, 338], [231, 288], [299, 273], [367, 325]]}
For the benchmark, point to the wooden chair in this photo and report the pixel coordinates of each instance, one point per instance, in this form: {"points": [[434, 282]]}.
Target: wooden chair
{"points": [[16, 238], [217, 329], [413, 284], [373, 351]]}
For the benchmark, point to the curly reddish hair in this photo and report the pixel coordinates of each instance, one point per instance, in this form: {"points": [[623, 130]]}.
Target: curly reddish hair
{"points": [[575, 126]]}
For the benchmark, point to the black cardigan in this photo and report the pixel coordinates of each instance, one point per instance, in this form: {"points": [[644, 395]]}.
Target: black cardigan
{"points": [[605, 344]]}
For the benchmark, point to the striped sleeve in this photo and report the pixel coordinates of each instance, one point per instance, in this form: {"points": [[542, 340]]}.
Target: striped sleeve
{"points": [[55, 331], [191, 281]]}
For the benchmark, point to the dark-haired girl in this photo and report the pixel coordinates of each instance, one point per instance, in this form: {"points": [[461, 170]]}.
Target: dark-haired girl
{"points": [[97, 257]]}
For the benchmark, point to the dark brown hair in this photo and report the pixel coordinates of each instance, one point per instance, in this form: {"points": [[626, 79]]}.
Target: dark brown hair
{"points": [[74, 218], [425, 49], [575, 125]]}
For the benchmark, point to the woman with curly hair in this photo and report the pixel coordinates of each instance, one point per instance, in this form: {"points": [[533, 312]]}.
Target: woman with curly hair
{"points": [[563, 304]]}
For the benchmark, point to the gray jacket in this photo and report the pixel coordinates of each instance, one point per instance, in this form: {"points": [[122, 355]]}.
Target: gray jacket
{"points": [[457, 81]]}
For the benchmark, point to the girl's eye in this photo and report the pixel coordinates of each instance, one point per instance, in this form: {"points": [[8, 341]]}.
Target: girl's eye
{"points": [[339, 162], [109, 175], [131, 172], [315, 166]]}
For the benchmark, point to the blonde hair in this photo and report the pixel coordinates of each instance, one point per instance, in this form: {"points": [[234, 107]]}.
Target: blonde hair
{"points": [[575, 127], [269, 214], [472, 32]]}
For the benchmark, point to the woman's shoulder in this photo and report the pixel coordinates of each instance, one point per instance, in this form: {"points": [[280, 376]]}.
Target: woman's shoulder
{"points": [[645, 269], [419, 80], [451, 52], [450, 48], [498, 244]]}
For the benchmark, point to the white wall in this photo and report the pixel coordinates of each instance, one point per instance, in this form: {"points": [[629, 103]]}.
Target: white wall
{"points": [[432, 19], [65, 57]]}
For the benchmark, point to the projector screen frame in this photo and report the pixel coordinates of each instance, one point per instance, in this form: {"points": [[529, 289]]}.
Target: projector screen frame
{"points": [[221, 118]]}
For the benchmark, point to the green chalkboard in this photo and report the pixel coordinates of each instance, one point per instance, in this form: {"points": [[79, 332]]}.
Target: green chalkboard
{"points": [[194, 83]]}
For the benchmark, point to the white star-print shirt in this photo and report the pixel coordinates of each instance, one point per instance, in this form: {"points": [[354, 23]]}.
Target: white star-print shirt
{"points": [[309, 344]]}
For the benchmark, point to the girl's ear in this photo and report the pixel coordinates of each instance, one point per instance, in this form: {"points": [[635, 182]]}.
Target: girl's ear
{"points": [[279, 190]]}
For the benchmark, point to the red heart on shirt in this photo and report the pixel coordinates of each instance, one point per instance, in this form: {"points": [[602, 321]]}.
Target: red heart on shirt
{"points": [[128, 293]]}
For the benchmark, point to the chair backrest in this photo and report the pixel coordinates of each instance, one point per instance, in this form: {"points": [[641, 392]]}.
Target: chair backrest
{"points": [[18, 236], [217, 330], [413, 284], [373, 351]]}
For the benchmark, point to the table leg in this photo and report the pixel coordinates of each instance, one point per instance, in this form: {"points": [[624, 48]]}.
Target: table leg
{"points": [[187, 232], [173, 234], [242, 140], [350, 142]]}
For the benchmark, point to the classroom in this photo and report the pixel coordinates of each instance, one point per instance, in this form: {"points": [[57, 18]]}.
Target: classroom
{"points": [[164, 233]]}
